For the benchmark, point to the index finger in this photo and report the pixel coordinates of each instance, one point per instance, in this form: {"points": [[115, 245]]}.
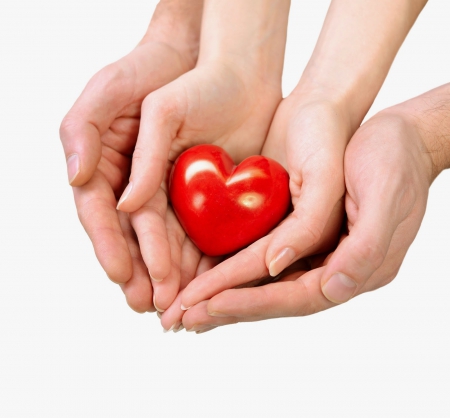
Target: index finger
{"points": [[244, 267], [95, 202]]}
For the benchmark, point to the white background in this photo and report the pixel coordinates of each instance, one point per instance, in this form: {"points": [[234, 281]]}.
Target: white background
{"points": [[70, 346]]}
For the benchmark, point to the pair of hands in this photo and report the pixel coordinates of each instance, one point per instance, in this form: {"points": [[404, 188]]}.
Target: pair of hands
{"points": [[230, 105]]}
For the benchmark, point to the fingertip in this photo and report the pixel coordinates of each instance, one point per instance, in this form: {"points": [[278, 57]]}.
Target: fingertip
{"points": [[282, 259], [73, 167], [82, 146], [160, 270], [124, 197], [118, 271]]}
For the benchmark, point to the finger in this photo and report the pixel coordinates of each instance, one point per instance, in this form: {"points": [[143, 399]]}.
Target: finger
{"points": [[312, 226], [197, 319], [192, 262], [207, 263], [96, 209], [88, 119], [172, 317], [190, 259], [161, 119], [361, 253], [299, 297], [244, 267], [165, 292], [138, 290], [149, 223]]}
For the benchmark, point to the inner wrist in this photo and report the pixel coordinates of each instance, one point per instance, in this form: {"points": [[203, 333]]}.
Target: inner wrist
{"points": [[249, 33], [353, 99]]}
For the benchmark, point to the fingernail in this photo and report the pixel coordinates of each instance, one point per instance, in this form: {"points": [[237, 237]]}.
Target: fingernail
{"points": [[339, 289], [284, 258], [197, 328], [158, 314], [181, 327], [205, 330], [73, 167], [125, 194], [218, 314], [156, 280], [183, 308], [154, 304], [168, 330]]}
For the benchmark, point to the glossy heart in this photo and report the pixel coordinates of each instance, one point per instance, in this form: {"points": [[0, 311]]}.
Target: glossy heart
{"points": [[223, 207]]}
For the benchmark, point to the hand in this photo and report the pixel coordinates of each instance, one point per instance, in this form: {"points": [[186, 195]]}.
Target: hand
{"points": [[228, 100], [311, 130], [388, 171], [309, 138], [215, 103], [99, 136]]}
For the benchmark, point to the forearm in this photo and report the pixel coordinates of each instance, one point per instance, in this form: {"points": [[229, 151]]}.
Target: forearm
{"points": [[252, 32], [356, 47], [177, 23]]}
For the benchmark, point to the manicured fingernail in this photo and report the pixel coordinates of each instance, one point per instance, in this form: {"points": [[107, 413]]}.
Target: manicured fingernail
{"points": [[170, 329], [339, 289], [205, 330], [156, 280], [218, 314], [154, 304], [181, 327], [183, 308], [284, 258], [125, 194], [73, 167]]}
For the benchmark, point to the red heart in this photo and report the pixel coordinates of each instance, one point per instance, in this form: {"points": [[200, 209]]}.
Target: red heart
{"points": [[223, 207]]}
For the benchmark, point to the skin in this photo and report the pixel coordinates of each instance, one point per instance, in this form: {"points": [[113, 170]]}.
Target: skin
{"points": [[229, 100], [396, 154], [311, 130], [99, 136]]}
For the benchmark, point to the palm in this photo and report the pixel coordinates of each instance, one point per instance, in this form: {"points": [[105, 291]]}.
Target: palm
{"points": [[222, 107], [211, 104], [310, 142]]}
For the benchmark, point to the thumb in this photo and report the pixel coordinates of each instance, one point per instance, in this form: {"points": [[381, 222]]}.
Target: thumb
{"points": [[88, 119], [313, 225], [162, 116], [360, 254], [82, 147]]}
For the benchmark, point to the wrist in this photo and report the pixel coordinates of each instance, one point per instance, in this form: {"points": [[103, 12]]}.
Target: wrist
{"points": [[355, 49], [249, 34], [428, 114], [176, 24]]}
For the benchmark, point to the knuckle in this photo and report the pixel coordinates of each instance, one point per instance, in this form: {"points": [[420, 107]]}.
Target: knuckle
{"points": [[312, 227], [369, 254], [111, 75], [138, 153], [157, 107], [314, 231], [389, 277], [66, 127]]}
